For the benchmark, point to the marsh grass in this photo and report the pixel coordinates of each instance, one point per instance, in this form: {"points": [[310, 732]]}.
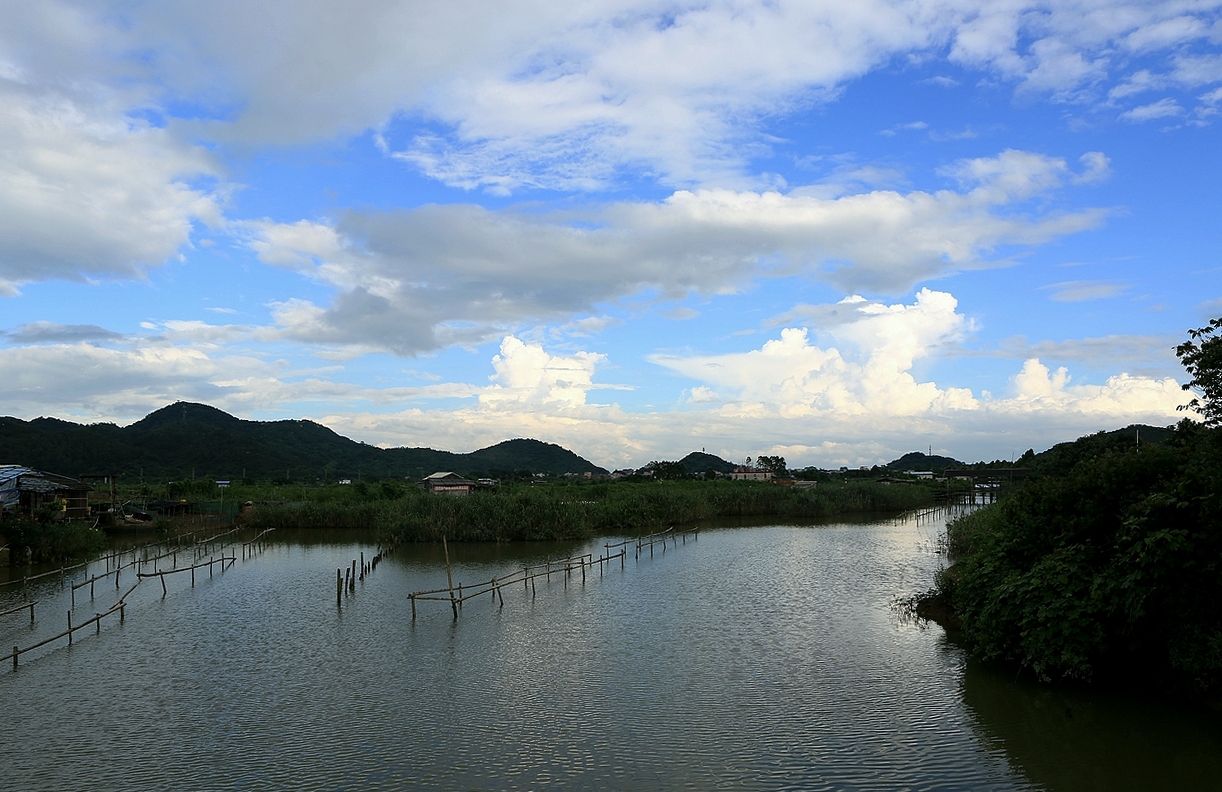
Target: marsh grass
{"points": [[528, 513]]}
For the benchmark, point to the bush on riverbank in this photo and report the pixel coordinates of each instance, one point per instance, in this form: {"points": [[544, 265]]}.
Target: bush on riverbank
{"points": [[51, 541], [581, 511], [1113, 570]]}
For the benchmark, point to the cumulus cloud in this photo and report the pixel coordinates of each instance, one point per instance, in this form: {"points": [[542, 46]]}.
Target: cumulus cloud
{"points": [[853, 401], [87, 192], [415, 280], [527, 375], [868, 372], [864, 380]]}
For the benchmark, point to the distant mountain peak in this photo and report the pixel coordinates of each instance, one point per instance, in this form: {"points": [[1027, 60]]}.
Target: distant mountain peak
{"points": [[919, 460], [182, 412]]}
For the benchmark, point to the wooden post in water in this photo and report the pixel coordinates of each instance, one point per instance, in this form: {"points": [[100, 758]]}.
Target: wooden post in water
{"points": [[70, 628], [449, 578], [339, 586], [362, 565]]}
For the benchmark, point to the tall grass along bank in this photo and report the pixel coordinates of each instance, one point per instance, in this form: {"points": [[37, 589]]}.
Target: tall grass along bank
{"points": [[580, 511]]}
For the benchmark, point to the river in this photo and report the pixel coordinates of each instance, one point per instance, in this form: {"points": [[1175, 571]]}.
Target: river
{"points": [[760, 658]]}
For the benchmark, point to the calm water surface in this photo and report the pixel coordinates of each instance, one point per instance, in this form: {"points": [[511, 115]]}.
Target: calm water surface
{"points": [[753, 658]]}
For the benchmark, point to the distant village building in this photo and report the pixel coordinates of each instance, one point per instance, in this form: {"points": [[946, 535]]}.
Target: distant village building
{"points": [[446, 483], [743, 473], [24, 490], [921, 474]]}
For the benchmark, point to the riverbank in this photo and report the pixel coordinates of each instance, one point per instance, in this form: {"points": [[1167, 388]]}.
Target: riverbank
{"points": [[1110, 573], [529, 513]]}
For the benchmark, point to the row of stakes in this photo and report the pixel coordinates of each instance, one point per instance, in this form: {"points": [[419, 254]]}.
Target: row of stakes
{"points": [[457, 594], [139, 560], [345, 579]]}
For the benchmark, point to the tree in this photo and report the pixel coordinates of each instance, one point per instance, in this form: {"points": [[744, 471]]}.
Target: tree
{"points": [[1201, 357], [663, 470], [775, 464]]}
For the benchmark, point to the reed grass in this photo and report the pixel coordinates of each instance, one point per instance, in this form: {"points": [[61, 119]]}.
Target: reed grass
{"points": [[578, 512]]}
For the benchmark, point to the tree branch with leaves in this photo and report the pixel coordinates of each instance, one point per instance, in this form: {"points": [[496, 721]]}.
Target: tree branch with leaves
{"points": [[1201, 357]]}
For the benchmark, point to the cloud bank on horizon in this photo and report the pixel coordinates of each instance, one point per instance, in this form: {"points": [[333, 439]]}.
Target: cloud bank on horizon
{"points": [[830, 232]]}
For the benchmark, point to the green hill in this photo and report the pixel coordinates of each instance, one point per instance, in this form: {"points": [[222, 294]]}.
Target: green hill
{"points": [[918, 460], [186, 439], [699, 462]]}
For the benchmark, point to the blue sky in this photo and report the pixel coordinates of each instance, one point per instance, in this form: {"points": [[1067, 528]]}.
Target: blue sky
{"points": [[832, 232]]}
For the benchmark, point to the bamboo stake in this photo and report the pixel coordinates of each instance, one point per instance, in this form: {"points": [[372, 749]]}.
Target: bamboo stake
{"points": [[449, 578]]}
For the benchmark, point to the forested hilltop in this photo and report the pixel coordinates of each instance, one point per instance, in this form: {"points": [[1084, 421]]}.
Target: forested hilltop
{"points": [[186, 439], [1107, 565]]}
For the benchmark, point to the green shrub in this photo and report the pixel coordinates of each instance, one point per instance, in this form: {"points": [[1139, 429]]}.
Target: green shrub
{"points": [[52, 541], [1114, 570]]}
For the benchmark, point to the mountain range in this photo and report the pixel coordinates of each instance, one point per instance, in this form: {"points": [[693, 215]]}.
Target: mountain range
{"points": [[195, 440], [186, 439]]}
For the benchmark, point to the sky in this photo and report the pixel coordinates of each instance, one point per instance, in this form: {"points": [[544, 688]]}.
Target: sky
{"points": [[834, 232]]}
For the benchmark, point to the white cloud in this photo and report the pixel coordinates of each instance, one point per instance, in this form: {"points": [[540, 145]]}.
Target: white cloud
{"points": [[1163, 108], [416, 280], [1121, 399], [867, 373], [1097, 168], [86, 192], [525, 374], [564, 95], [853, 403], [1138, 82], [1084, 291]]}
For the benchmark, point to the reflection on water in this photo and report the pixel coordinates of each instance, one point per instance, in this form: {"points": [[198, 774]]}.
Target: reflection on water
{"points": [[758, 658], [1069, 740]]}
